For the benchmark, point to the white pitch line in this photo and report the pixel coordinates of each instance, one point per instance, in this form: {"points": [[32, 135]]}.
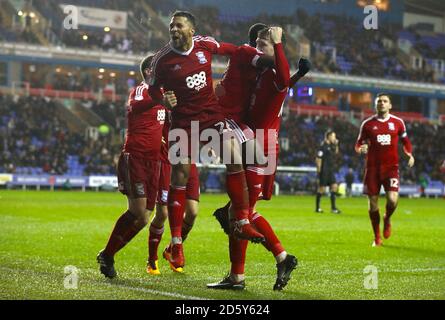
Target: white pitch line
{"points": [[156, 292], [111, 285]]}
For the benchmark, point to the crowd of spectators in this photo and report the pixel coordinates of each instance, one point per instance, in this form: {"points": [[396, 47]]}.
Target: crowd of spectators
{"points": [[339, 44], [139, 37], [33, 135]]}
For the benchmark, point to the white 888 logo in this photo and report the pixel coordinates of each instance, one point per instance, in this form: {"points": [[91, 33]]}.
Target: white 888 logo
{"points": [[196, 81], [384, 139], [161, 115]]}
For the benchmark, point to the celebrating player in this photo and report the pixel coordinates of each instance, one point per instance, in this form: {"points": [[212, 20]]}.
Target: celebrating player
{"points": [[236, 89], [265, 113], [138, 167], [378, 139], [184, 67]]}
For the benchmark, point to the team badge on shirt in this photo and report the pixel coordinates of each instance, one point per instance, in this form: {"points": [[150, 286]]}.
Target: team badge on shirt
{"points": [[391, 126], [201, 57]]}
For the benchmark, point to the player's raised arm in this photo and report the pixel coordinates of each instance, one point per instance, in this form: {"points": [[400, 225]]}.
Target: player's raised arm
{"points": [[141, 101], [219, 48], [282, 78], [226, 49]]}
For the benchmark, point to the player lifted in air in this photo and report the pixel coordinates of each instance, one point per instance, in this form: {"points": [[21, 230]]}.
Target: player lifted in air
{"points": [[378, 139], [265, 113], [238, 84], [138, 167]]}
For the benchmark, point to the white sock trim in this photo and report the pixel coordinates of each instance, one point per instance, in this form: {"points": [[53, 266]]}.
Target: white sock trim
{"points": [[280, 257]]}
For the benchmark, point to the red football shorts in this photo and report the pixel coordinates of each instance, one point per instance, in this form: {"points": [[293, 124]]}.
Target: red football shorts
{"points": [[376, 177], [226, 128], [138, 177], [192, 188]]}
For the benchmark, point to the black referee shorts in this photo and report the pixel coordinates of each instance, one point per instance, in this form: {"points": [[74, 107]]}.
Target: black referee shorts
{"points": [[326, 178]]}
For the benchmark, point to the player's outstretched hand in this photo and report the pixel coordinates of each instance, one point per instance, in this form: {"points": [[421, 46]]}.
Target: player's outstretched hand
{"points": [[170, 99], [304, 65], [411, 161], [276, 33]]}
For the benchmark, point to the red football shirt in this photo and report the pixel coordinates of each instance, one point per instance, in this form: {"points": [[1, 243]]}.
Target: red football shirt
{"points": [[267, 101], [382, 136], [189, 75], [239, 82], [144, 124]]}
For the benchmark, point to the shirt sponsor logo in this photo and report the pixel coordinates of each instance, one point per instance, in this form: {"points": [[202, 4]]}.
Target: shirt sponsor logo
{"points": [[161, 115], [176, 67], [197, 81], [384, 139]]}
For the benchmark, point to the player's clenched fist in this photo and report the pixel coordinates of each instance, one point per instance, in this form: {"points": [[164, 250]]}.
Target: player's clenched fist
{"points": [[363, 149], [411, 161], [170, 99], [276, 33]]}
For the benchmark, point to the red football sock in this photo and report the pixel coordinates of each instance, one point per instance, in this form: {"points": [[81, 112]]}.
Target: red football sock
{"points": [[176, 205], [375, 221], [154, 240], [389, 211], [263, 226], [237, 249], [126, 227], [238, 194], [255, 178]]}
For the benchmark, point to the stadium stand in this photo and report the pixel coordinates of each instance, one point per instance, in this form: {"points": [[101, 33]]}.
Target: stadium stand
{"points": [[42, 141]]}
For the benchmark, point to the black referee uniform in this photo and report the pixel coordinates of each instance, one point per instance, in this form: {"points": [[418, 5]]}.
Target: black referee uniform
{"points": [[327, 173], [326, 178]]}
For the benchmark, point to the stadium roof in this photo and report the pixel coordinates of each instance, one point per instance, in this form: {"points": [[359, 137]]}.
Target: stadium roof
{"points": [[429, 7]]}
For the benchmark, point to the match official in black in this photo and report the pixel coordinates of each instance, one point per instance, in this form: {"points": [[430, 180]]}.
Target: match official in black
{"points": [[325, 162]]}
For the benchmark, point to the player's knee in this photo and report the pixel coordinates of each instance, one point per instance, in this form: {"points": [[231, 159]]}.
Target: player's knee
{"points": [[179, 178], [192, 209], [160, 216], [143, 220], [141, 214], [373, 203]]}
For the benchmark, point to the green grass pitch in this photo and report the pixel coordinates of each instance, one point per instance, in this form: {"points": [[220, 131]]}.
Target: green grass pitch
{"points": [[43, 232]]}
